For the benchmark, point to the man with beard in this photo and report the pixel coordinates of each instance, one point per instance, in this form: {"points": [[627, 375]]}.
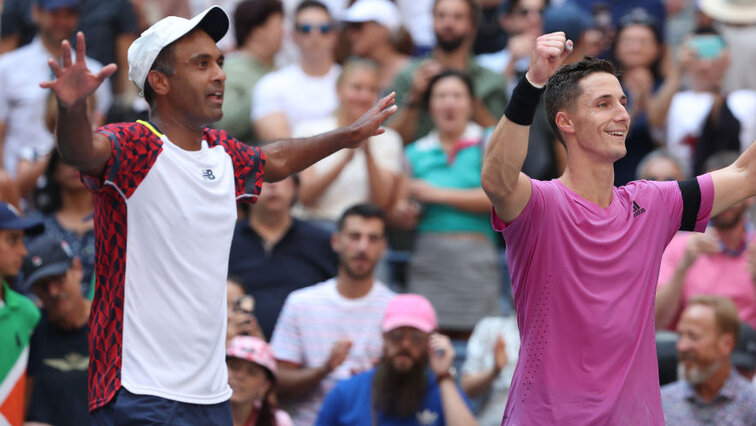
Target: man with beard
{"points": [[454, 23], [413, 383], [331, 330], [716, 262], [59, 353], [709, 390]]}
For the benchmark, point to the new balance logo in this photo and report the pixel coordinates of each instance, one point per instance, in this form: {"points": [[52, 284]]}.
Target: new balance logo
{"points": [[637, 210], [208, 174]]}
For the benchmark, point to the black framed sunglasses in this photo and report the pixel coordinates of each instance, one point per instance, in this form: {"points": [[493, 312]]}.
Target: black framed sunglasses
{"points": [[306, 28], [525, 12]]}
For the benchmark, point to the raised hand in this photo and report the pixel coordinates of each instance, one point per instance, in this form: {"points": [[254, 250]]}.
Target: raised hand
{"points": [[500, 353], [550, 51], [339, 352], [369, 124], [74, 82], [441, 353]]}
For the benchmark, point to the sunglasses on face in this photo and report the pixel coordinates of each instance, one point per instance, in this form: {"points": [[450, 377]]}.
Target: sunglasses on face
{"points": [[309, 28], [525, 12]]}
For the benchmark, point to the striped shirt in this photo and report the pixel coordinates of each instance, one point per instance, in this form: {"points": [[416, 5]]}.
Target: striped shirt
{"points": [[312, 320]]}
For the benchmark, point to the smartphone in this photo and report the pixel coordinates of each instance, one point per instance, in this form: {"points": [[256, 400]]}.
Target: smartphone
{"points": [[245, 304], [707, 46]]}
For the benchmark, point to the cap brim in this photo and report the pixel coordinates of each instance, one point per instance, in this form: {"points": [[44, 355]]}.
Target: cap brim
{"points": [[743, 360], [29, 226], [214, 22], [725, 11], [52, 270], [408, 321]]}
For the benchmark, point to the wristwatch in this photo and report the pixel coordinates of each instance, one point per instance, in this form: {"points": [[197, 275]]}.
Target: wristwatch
{"points": [[451, 373]]}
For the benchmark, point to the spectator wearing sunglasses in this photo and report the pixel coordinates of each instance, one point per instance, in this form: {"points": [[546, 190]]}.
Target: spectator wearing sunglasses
{"points": [[305, 90]]}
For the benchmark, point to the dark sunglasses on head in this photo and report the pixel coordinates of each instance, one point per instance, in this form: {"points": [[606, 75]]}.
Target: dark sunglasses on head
{"points": [[308, 28]]}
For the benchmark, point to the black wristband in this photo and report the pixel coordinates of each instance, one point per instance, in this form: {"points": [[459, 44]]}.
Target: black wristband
{"points": [[522, 107]]}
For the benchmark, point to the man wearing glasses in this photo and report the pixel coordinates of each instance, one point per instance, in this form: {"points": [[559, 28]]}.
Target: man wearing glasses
{"points": [[413, 382], [305, 90]]}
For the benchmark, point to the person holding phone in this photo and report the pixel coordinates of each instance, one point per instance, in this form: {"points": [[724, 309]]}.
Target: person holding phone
{"points": [[414, 381]]}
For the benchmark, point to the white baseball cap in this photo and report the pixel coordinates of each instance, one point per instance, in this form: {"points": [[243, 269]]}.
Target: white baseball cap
{"points": [[143, 51], [384, 12]]}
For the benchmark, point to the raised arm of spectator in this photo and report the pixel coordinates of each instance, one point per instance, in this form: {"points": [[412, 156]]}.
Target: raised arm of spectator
{"points": [[293, 380], [412, 91], [73, 84], [508, 188], [658, 105], [285, 157], [455, 408], [476, 383]]}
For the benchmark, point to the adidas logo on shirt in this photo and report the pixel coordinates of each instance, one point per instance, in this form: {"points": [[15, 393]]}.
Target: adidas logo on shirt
{"points": [[637, 210]]}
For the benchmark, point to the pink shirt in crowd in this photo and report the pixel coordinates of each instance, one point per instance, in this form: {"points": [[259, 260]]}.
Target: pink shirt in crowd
{"points": [[583, 280], [718, 274]]}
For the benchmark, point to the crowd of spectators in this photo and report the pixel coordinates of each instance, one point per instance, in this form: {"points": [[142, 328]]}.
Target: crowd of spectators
{"points": [[356, 286]]}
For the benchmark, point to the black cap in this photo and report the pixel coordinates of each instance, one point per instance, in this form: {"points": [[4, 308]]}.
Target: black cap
{"points": [[48, 257], [10, 219]]}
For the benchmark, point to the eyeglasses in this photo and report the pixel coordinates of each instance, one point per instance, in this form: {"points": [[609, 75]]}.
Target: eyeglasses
{"points": [[306, 28], [525, 12], [416, 337]]}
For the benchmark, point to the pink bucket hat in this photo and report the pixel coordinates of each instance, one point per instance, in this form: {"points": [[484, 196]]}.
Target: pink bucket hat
{"points": [[409, 310], [252, 349]]}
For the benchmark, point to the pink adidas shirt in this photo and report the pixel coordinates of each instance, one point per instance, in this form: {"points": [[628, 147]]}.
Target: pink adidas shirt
{"points": [[583, 280]]}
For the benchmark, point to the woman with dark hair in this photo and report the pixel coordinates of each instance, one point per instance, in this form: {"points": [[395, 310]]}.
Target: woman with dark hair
{"points": [[454, 262], [638, 50], [252, 377], [66, 207]]}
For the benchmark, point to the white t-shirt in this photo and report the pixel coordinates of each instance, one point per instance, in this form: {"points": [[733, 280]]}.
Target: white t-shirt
{"points": [[312, 320], [687, 115], [352, 185], [23, 103], [299, 96]]}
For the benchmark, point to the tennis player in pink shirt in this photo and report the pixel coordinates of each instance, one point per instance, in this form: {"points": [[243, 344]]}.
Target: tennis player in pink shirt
{"points": [[585, 255]]}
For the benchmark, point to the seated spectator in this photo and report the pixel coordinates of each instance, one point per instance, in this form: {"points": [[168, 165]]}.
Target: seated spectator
{"points": [[718, 262], [331, 331], [365, 174], [59, 349], [704, 120], [492, 353], [709, 390], [273, 253], [252, 377], [637, 51], [22, 100], [659, 165], [413, 383], [259, 31], [66, 207], [744, 356], [305, 90], [18, 315], [522, 20], [241, 312], [373, 28], [454, 24], [455, 262]]}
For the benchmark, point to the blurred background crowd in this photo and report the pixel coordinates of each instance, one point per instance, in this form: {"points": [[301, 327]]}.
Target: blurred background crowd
{"points": [[310, 283]]}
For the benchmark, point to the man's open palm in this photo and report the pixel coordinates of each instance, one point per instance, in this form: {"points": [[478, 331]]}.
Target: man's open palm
{"points": [[73, 80]]}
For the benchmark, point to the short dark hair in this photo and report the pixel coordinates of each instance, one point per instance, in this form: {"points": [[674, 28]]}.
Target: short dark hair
{"points": [[563, 88], [476, 13], [164, 64], [442, 75], [364, 210], [306, 4], [251, 14]]}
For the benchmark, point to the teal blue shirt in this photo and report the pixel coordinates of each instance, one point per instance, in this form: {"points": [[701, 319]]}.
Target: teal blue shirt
{"points": [[460, 169]]}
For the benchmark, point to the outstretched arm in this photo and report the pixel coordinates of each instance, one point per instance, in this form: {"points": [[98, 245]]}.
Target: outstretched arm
{"points": [[73, 83], [289, 156], [735, 182], [508, 188]]}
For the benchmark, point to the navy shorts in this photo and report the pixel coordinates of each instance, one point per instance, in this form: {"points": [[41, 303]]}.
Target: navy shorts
{"points": [[127, 409]]}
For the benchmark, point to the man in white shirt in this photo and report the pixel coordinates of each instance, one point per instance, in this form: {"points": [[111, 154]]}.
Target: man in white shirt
{"points": [[332, 330], [23, 103], [305, 90]]}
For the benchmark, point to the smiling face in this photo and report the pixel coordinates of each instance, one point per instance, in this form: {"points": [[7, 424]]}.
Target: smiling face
{"points": [[195, 90], [702, 348], [597, 122], [450, 105]]}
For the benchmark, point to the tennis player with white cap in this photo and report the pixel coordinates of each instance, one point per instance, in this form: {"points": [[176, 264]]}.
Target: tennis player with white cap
{"points": [[165, 207]]}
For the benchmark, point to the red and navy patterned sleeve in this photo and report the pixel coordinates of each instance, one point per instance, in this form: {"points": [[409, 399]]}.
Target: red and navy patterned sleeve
{"points": [[134, 149], [249, 165]]}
